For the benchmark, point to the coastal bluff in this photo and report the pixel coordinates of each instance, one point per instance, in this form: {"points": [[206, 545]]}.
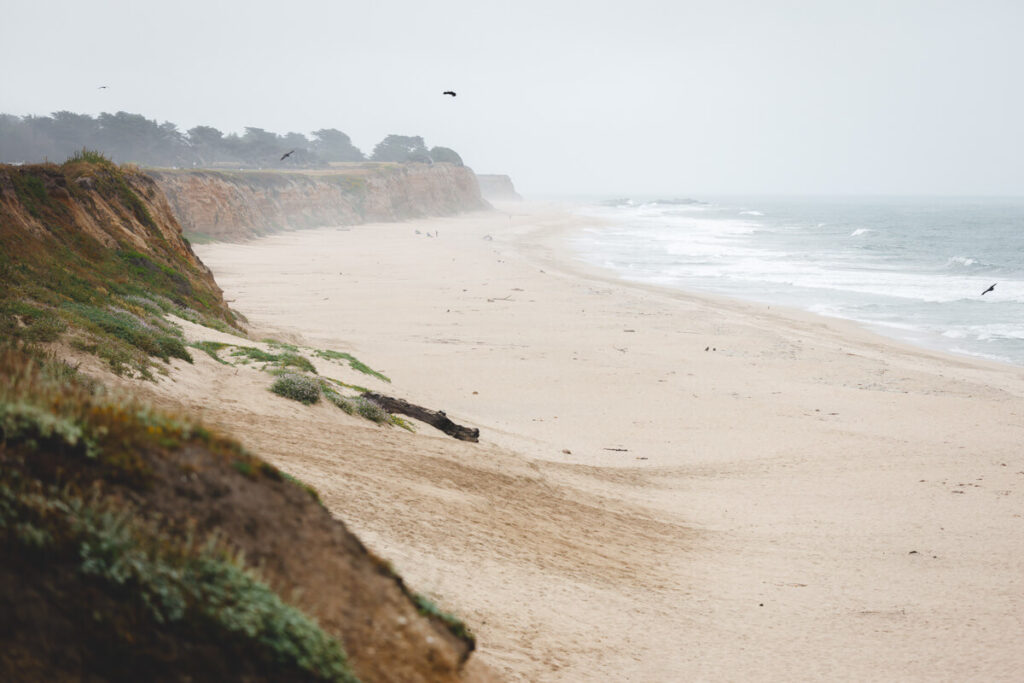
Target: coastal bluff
{"points": [[498, 188], [240, 204]]}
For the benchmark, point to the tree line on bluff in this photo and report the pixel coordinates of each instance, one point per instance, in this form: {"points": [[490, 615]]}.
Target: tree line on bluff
{"points": [[128, 137]]}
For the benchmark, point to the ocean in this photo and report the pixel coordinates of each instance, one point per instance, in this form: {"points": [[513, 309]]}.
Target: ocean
{"points": [[910, 268]]}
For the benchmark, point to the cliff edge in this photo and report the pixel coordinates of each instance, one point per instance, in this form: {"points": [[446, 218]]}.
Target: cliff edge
{"points": [[498, 188], [232, 205], [138, 544]]}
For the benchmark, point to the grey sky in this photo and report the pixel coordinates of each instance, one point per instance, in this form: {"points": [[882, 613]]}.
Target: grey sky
{"points": [[569, 97]]}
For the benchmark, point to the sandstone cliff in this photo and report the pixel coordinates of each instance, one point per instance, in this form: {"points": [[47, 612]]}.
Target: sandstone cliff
{"points": [[241, 204], [498, 188], [137, 544]]}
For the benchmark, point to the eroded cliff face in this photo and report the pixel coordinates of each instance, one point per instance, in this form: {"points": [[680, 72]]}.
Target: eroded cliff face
{"points": [[231, 205], [84, 219], [498, 188]]}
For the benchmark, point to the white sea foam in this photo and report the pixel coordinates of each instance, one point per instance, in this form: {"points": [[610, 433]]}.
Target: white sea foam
{"points": [[899, 279]]}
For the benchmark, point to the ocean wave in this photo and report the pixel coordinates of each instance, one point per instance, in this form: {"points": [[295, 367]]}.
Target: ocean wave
{"points": [[860, 231], [751, 213]]}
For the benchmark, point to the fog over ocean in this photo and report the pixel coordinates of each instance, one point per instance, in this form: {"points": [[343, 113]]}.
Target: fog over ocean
{"points": [[910, 268]]}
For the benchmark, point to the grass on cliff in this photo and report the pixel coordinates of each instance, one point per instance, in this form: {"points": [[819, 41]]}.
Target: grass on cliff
{"points": [[59, 438], [108, 298], [296, 377]]}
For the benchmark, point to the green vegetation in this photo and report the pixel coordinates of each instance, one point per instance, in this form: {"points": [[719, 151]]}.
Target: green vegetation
{"points": [[78, 276], [175, 580], [297, 387], [211, 348], [89, 156], [453, 623], [353, 362], [290, 367], [280, 361], [58, 437], [132, 137]]}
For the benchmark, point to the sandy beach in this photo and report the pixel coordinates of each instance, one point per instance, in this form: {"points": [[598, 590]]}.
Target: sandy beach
{"points": [[667, 486]]}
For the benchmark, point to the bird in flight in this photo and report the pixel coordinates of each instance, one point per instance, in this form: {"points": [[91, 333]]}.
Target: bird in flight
{"points": [[449, 92], [102, 87], [989, 289], [287, 154]]}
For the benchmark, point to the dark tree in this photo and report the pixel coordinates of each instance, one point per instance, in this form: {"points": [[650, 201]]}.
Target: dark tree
{"points": [[444, 155], [400, 148], [333, 145]]}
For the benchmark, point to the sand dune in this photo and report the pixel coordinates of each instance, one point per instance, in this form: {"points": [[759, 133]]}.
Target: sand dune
{"points": [[805, 501]]}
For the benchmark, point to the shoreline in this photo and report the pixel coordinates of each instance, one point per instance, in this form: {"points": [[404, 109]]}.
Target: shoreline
{"points": [[638, 507], [578, 267]]}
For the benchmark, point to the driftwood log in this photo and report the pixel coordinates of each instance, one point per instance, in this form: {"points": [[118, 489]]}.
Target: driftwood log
{"points": [[435, 418]]}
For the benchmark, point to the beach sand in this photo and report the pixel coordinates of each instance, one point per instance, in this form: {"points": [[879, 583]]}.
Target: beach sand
{"points": [[802, 501]]}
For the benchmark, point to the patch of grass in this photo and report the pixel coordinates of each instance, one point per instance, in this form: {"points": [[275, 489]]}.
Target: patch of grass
{"points": [[211, 348], [353, 362], [297, 387], [152, 336], [353, 387], [90, 156], [455, 625], [281, 345], [252, 353], [281, 361], [296, 360]]}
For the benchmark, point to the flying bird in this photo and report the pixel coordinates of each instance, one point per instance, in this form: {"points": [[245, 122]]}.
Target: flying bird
{"points": [[989, 289], [449, 92], [287, 154], [102, 87]]}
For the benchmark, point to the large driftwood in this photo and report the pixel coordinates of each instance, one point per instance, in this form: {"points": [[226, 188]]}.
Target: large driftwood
{"points": [[435, 418]]}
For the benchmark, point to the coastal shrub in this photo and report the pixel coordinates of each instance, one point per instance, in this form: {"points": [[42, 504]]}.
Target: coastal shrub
{"points": [[371, 411], [357, 405], [297, 387], [152, 336]]}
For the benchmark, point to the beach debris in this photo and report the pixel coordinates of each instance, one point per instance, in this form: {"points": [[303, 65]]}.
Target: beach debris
{"points": [[629, 330], [567, 451], [620, 450], [488, 238], [449, 92], [434, 418]]}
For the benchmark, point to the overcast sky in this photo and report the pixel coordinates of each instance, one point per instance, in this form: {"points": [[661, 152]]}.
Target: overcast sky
{"points": [[625, 97]]}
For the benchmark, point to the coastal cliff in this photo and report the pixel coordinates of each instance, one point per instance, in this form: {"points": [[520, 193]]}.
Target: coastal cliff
{"points": [[138, 543], [498, 188], [229, 205]]}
